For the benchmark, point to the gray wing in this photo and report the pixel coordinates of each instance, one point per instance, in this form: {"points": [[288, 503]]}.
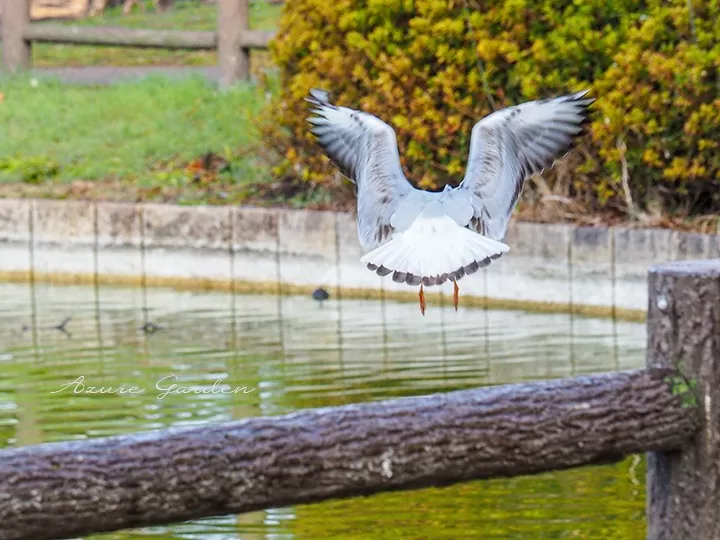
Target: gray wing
{"points": [[509, 146], [364, 148]]}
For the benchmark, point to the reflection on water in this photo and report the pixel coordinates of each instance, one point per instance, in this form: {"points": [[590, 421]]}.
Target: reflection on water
{"points": [[290, 353]]}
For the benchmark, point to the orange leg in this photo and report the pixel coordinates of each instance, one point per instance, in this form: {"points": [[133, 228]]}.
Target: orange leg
{"points": [[456, 294], [423, 305]]}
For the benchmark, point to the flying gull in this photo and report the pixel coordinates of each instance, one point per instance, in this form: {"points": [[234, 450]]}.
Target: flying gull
{"points": [[427, 238]]}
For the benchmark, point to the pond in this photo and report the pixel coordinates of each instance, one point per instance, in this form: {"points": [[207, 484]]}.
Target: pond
{"points": [[292, 353]]}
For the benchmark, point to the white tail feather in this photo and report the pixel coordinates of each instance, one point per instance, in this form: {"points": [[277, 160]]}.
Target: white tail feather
{"points": [[432, 251]]}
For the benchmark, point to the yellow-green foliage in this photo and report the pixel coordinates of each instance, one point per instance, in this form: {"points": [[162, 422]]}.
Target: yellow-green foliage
{"points": [[661, 98], [432, 68]]}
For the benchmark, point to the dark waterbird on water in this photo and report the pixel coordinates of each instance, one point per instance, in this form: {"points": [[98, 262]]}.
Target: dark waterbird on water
{"points": [[320, 295], [62, 327], [150, 327]]}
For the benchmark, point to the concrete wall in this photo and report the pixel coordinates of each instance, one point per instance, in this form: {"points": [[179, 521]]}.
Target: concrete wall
{"points": [[556, 266]]}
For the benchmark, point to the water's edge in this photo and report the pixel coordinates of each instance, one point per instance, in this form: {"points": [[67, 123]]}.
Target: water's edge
{"points": [[559, 267]]}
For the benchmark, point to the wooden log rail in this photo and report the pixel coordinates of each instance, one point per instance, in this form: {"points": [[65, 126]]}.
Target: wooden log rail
{"points": [[65, 490], [233, 39], [131, 37], [114, 37], [669, 409]]}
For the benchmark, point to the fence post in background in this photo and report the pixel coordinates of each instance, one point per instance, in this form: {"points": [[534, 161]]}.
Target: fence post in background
{"points": [[684, 332], [233, 20], [15, 18]]}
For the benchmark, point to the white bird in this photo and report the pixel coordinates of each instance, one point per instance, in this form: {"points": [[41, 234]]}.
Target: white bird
{"points": [[427, 238]]}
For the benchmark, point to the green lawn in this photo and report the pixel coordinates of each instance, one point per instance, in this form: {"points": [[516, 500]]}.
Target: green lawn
{"points": [[135, 140], [183, 16], [156, 139]]}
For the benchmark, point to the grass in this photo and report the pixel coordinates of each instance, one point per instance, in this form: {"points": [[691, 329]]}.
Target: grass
{"points": [[177, 141], [136, 140], [183, 16]]}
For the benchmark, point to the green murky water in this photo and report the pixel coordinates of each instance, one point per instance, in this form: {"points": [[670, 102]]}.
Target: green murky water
{"points": [[294, 354]]}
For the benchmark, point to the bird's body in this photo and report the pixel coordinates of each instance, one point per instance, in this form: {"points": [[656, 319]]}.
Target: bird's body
{"points": [[320, 295], [428, 238], [430, 243]]}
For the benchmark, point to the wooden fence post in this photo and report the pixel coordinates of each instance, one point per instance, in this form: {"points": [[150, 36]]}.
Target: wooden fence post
{"points": [[15, 18], [233, 20], [683, 486]]}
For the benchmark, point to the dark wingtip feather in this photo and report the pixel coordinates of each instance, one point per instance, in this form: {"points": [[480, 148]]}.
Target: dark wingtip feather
{"points": [[584, 123], [584, 102], [319, 98], [581, 98]]}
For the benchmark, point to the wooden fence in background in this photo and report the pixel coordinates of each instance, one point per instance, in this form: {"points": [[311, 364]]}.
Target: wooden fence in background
{"points": [[671, 409], [232, 39]]}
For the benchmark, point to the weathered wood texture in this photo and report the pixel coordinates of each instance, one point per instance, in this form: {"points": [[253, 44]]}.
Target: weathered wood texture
{"points": [[232, 20], [64, 490], [131, 37], [120, 37], [256, 39], [15, 18], [684, 332]]}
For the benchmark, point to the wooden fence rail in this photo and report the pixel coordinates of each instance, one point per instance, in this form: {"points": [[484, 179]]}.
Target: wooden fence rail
{"points": [[63, 490], [233, 39], [69, 489]]}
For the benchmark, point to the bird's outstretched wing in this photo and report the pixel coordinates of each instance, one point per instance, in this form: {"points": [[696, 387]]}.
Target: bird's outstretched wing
{"points": [[509, 146], [364, 148]]}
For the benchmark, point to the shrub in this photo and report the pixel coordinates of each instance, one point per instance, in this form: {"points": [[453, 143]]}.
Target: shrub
{"points": [[661, 100], [432, 68]]}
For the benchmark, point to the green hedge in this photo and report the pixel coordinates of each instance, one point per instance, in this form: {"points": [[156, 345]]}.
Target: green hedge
{"points": [[432, 68]]}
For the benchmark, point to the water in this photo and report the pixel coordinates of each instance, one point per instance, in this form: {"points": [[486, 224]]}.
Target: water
{"points": [[290, 353]]}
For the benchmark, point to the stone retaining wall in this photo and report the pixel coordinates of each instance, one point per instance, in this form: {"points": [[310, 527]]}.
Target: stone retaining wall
{"points": [[557, 265]]}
